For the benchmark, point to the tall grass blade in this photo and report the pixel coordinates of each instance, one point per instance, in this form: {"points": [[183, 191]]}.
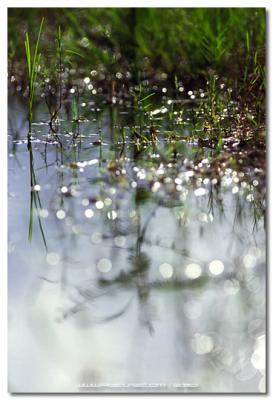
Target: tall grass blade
{"points": [[32, 66], [34, 63]]}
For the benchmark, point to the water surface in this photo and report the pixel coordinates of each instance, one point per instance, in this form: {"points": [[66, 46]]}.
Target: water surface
{"points": [[140, 266]]}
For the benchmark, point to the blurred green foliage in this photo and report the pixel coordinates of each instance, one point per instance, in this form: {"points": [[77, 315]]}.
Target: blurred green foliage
{"points": [[177, 41]]}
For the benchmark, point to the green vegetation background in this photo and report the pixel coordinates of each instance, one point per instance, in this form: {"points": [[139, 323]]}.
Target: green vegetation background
{"points": [[177, 41]]}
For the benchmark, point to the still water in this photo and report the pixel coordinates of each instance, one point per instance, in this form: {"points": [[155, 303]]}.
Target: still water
{"points": [[132, 268]]}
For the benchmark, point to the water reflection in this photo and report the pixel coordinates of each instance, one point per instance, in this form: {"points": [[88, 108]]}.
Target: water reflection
{"points": [[142, 262]]}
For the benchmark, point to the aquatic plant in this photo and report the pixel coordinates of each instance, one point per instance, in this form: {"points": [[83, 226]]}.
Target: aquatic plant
{"points": [[141, 106], [33, 64]]}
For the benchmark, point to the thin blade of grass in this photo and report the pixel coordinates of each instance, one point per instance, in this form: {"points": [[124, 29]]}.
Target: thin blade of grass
{"points": [[147, 97], [35, 76], [35, 53], [28, 55], [147, 106], [74, 52]]}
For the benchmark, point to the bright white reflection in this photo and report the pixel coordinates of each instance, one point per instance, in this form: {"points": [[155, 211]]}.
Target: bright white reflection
{"points": [[155, 187], [200, 192], [166, 270], [64, 189], [112, 214], [216, 267], [99, 204], [60, 214], [201, 344], [89, 213], [193, 271], [37, 188], [104, 265], [86, 80]]}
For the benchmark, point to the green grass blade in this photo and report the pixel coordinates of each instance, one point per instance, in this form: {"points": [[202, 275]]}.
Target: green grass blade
{"points": [[35, 77], [74, 52], [28, 55], [247, 41], [147, 106], [35, 53], [59, 34], [148, 96]]}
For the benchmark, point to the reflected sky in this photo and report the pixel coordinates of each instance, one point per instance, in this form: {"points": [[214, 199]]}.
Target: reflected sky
{"points": [[132, 265]]}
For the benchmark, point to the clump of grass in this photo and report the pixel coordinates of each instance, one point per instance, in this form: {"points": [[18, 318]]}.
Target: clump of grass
{"points": [[141, 106], [32, 67]]}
